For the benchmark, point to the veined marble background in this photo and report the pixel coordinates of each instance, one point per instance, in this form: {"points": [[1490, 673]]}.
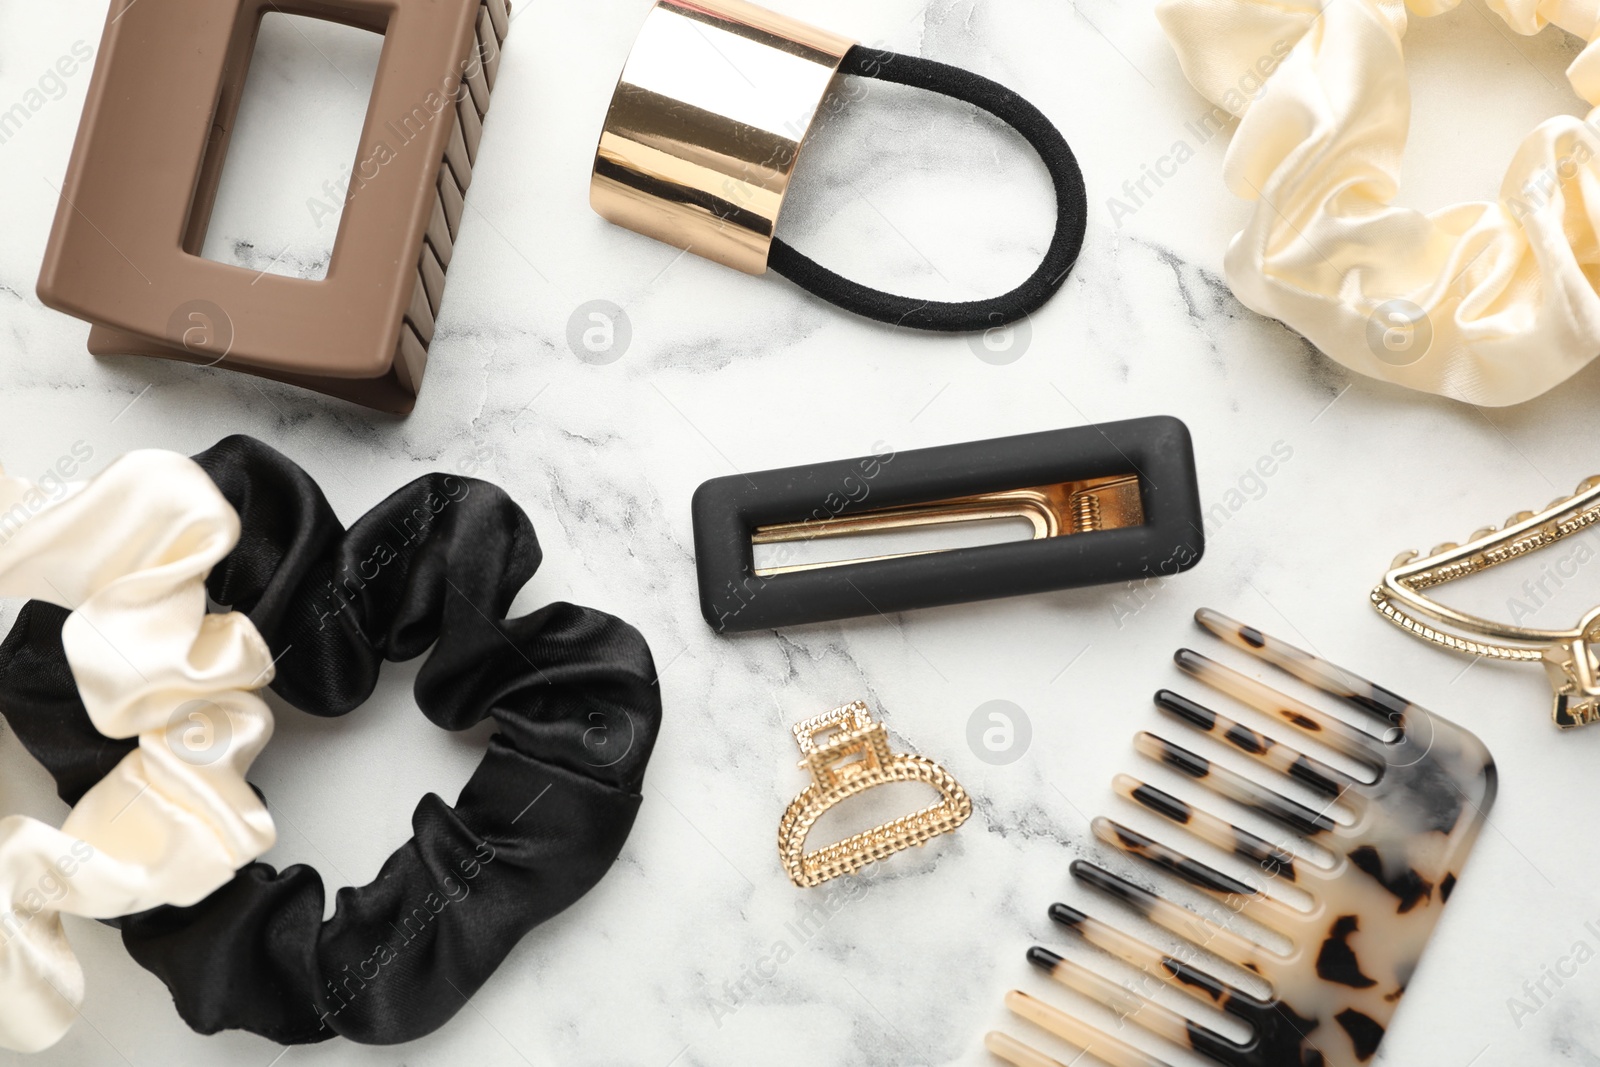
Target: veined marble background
{"points": [[672, 961]]}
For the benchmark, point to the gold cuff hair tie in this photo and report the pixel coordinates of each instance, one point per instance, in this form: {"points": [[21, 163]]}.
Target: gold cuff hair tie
{"points": [[1567, 655], [706, 125], [847, 752]]}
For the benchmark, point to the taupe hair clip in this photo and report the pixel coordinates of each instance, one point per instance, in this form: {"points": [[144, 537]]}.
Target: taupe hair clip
{"points": [[124, 253], [1568, 655]]}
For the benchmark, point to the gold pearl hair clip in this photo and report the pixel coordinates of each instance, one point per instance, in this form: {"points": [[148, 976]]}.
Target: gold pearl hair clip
{"points": [[847, 752], [1566, 654]]}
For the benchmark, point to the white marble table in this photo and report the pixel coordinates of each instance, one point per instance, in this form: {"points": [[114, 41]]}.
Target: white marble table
{"points": [[670, 960]]}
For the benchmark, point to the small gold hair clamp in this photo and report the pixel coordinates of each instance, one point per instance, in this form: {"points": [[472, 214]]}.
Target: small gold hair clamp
{"points": [[1567, 655], [847, 752]]}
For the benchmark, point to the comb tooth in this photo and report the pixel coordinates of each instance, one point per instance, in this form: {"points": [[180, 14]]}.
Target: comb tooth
{"points": [[1140, 1010], [1092, 1040], [1367, 696], [1196, 929], [1443, 547], [1483, 532], [1016, 1053], [1336, 733], [1169, 859], [1235, 787], [1587, 484], [1521, 516], [1272, 861], [1304, 769], [1203, 987], [1238, 895]]}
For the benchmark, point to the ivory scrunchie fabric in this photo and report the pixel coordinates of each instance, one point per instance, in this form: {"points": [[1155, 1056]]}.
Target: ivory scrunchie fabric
{"points": [[129, 551], [1489, 303], [432, 569]]}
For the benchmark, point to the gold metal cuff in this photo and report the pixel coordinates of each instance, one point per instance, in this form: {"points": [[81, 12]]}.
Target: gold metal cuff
{"points": [[847, 752], [706, 124]]}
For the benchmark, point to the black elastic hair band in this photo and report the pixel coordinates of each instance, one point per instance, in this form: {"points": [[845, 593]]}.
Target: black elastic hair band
{"points": [[1005, 105], [541, 820]]}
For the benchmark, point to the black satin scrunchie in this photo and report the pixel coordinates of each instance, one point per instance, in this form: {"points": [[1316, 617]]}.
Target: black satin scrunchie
{"points": [[542, 819]]}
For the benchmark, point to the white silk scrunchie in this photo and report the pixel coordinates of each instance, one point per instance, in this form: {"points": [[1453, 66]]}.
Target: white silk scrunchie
{"points": [[1490, 303], [129, 552]]}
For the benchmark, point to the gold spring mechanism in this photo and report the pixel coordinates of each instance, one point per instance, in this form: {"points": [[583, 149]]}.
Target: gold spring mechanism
{"points": [[1086, 515]]}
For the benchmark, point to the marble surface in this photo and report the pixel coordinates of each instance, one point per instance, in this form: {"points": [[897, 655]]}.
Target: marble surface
{"points": [[675, 959]]}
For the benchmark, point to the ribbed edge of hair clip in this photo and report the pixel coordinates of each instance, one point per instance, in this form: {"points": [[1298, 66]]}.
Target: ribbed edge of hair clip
{"points": [[436, 566], [1568, 655], [700, 154], [145, 665]]}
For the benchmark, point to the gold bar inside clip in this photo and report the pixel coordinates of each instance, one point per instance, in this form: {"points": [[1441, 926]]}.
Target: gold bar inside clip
{"points": [[1057, 510]]}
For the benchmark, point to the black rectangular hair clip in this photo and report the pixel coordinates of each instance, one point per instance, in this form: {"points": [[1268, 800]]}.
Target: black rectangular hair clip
{"points": [[1107, 503]]}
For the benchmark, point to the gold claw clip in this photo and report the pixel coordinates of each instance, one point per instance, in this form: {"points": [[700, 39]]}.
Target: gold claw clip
{"points": [[847, 752], [1569, 656]]}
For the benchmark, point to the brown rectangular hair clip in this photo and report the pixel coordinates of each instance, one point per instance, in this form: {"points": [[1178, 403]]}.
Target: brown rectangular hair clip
{"points": [[124, 252]]}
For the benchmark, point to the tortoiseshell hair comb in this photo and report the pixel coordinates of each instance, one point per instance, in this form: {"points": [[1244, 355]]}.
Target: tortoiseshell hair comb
{"points": [[1372, 912]]}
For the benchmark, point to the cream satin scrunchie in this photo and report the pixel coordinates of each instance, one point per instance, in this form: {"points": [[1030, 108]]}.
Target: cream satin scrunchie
{"points": [[1490, 303], [129, 551]]}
